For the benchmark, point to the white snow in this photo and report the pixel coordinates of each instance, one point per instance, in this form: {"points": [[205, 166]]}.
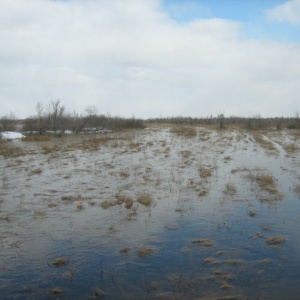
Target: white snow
{"points": [[10, 135]]}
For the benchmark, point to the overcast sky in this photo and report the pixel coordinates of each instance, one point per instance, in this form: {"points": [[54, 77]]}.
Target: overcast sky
{"points": [[151, 58]]}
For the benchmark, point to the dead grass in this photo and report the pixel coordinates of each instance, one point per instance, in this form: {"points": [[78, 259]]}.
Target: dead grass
{"points": [[297, 189], [144, 251], [80, 206], [275, 240], [292, 148], [71, 198], [230, 189], [60, 261], [8, 152], [184, 131], [4, 217], [37, 138], [210, 261], [203, 242], [205, 172], [56, 290], [36, 171], [145, 199], [265, 144], [267, 183], [203, 192]]}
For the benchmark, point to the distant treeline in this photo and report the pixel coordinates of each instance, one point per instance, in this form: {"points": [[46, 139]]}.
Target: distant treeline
{"points": [[254, 123], [54, 118]]}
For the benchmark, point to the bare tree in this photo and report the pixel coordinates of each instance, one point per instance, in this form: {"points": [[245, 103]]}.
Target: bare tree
{"points": [[91, 111], [40, 116], [56, 113], [8, 123]]}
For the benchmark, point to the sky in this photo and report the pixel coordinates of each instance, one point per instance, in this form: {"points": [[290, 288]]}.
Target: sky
{"points": [[151, 58]]}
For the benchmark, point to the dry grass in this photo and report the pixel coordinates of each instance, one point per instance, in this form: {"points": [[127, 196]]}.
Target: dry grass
{"points": [[230, 189], [5, 218], [275, 240], [184, 131], [210, 261], [203, 192], [145, 199], [37, 138], [267, 183], [56, 290], [265, 144], [71, 198], [297, 189], [36, 171], [60, 261], [124, 174], [144, 251], [292, 148], [205, 172], [80, 206], [203, 242], [8, 152]]}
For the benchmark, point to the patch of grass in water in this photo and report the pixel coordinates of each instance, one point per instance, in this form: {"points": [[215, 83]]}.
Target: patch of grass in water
{"points": [[145, 199], [203, 242], [144, 251], [275, 240], [36, 171], [230, 189], [56, 291], [60, 261], [205, 172]]}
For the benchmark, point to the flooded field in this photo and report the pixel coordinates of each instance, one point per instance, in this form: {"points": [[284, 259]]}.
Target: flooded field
{"points": [[160, 213]]}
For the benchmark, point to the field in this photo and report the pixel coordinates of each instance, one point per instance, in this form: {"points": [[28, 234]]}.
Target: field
{"points": [[160, 213]]}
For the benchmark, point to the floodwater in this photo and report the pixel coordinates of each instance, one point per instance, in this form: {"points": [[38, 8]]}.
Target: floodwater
{"points": [[221, 217]]}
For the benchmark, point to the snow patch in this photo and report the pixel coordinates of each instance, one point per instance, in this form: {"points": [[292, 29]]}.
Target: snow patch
{"points": [[10, 135]]}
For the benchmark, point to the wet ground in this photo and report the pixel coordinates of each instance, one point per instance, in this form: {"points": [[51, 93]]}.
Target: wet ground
{"points": [[160, 213]]}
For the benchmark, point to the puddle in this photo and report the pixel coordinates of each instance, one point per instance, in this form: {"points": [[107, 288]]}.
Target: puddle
{"points": [[152, 214]]}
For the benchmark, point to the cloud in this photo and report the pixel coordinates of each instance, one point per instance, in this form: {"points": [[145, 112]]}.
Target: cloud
{"points": [[288, 12], [131, 58]]}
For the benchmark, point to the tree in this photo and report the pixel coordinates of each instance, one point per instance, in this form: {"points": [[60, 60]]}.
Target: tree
{"points": [[56, 113], [8, 123]]}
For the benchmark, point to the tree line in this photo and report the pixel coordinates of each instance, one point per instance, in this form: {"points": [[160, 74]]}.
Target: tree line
{"points": [[55, 118]]}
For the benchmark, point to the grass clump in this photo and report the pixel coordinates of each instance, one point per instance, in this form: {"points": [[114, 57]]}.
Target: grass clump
{"points": [[275, 240], [145, 199], [36, 171], [230, 189], [297, 189], [56, 290], [267, 183], [144, 251], [203, 242], [60, 261], [205, 172]]}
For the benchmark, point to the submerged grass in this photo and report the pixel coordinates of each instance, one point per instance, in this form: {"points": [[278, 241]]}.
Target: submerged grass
{"points": [[145, 199]]}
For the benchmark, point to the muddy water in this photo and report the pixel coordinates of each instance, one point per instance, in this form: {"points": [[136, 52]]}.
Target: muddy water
{"points": [[206, 232]]}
